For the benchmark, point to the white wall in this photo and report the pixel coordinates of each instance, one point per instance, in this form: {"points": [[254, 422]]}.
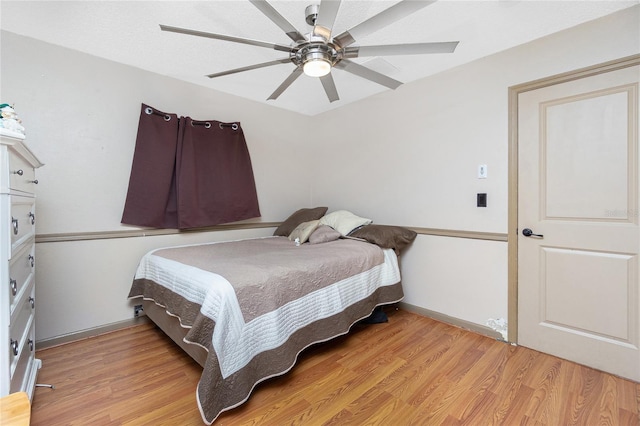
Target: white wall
{"points": [[410, 157], [405, 157], [81, 114]]}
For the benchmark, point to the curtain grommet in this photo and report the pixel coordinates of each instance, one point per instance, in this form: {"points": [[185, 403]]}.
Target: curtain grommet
{"points": [[206, 124], [233, 126], [149, 111]]}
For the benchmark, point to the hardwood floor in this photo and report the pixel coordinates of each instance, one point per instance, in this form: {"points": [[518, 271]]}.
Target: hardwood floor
{"points": [[409, 371]]}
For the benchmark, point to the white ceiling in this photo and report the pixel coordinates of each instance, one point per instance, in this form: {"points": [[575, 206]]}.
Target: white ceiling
{"points": [[128, 32]]}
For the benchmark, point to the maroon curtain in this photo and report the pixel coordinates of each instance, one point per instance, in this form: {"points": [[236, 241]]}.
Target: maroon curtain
{"points": [[188, 173]]}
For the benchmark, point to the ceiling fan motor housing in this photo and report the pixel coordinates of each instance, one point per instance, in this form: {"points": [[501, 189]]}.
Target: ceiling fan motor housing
{"points": [[313, 51]]}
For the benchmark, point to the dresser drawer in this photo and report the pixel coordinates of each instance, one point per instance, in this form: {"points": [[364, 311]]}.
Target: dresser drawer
{"points": [[22, 175], [23, 220], [24, 363], [22, 321], [21, 272]]}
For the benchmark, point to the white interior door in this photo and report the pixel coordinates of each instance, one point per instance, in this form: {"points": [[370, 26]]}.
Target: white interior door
{"points": [[578, 284]]}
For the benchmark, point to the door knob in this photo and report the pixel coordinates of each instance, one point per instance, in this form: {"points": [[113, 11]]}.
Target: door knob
{"points": [[529, 233]]}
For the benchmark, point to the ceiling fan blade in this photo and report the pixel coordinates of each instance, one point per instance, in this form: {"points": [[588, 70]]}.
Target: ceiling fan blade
{"points": [[251, 67], [381, 20], [326, 17], [400, 49], [275, 46], [367, 73], [286, 83], [278, 19], [329, 87]]}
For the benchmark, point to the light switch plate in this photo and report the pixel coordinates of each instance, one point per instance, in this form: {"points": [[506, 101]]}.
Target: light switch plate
{"points": [[482, 171]]}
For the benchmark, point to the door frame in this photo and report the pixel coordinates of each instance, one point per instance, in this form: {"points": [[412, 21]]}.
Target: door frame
{"points": [[512, 234]]}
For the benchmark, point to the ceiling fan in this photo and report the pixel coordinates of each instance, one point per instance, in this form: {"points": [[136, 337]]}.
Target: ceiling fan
{"points": [[318, 52]]}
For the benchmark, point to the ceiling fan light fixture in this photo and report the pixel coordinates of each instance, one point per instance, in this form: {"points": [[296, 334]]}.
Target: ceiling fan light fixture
{"points": [[317, 67], [316, 63]]}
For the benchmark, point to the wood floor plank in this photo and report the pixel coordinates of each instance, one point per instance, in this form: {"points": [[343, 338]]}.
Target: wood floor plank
{"points": [[510, 385], [421, 370], [409, 371]]}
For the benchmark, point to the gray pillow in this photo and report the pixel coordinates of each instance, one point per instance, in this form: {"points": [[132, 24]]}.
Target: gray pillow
{"points": [[323, 234], [303, 215], [386, 236]]}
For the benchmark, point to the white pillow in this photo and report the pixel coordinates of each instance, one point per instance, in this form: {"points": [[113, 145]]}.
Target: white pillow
{"points": [[304, 230], [344, 221]]}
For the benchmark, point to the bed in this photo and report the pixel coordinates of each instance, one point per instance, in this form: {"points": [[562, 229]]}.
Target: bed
{"points": [[245, 309]]}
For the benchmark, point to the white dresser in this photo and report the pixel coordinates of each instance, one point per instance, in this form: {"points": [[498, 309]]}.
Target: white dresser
{"points": [[18, 364]]}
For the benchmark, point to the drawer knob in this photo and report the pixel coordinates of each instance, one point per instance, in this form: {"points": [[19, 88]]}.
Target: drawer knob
{"points": [[14, 286], [14, 223], [35, 182], [33, 218], [14, 347], [18, 172], [32, 260], [33, 302]]}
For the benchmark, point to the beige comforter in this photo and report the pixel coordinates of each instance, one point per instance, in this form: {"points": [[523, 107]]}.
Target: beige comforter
{"points": [[256, 304]]}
